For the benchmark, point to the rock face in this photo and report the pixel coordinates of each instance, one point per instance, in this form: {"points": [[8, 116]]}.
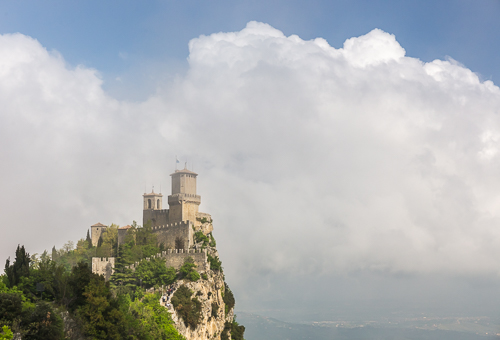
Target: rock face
{"points": [[209, 292]]}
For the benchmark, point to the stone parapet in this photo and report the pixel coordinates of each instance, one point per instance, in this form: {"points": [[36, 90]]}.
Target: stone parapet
{"points": [[176, 257]]}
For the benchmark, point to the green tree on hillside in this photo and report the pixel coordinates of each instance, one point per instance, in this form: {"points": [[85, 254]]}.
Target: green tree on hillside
{"points": [[19, 269]]}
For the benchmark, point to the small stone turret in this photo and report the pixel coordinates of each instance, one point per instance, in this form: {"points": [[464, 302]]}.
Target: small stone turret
{"points": [[153, 201]]}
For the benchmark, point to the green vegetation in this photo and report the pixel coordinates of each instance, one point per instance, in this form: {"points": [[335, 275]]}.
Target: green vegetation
{"points": [[189, 309], [154, 273], [212, 241], [236, 330], [139, 243], [228, 298], [34, 291], [207, 240], [215, 263], [188, 270], [203, 220], [6, 333], [215, 309], [200, 237]]}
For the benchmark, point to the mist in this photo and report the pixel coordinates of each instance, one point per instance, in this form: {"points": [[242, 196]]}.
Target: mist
{"points": [[335, 177]]}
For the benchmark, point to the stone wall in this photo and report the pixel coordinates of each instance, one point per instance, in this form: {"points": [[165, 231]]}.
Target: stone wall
{"points": [[176, 257], [183, 207], [103, 266], [157, 217], [169, 233], [96, 232]]}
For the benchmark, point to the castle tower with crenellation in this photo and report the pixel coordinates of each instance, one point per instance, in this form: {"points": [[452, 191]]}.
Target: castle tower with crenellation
{"points": [[174, 227], [183, 202]]}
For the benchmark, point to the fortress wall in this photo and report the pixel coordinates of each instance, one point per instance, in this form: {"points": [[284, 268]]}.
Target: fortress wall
{"points": [[167, 234], [175, 212], [122, 234], [157, 217], [176, 260], [103, 266], [176, 257], [189, 211]]}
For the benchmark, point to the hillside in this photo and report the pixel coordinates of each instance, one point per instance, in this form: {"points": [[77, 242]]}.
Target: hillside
{"points": [[59, 297]]}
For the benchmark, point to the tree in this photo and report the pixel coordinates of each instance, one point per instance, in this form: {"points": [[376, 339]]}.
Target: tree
{"points": [[154, 273], [7, 333], [20, 268], [89, 240], [104, 318], [43, 323], [55, 255], [81, 276], [188, 309], [10, 307]]}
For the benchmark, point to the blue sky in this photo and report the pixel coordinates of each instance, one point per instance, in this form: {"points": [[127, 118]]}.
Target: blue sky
{"points": [[130, 39]]}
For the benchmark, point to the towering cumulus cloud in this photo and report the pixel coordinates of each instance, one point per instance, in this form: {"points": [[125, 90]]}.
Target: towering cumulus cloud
{"points": [[311, 158]]}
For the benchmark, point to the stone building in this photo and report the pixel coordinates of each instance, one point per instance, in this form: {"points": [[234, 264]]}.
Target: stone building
{"points": [[96, 231], [174, 227]]}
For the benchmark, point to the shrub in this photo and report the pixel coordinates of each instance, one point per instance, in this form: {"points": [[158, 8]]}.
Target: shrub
{"points": [[200, 237], [237, 331], [43, 323], [212, 240], [234, 329], [204, 276], [215, 263], [188, 309], [6, 334], [215, 309], [154, 273], [188, 270], [228, 298]]}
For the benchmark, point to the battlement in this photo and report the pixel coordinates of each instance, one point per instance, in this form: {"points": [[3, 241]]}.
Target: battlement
{"points": [[176, 257], [175, 198], [170, 225], [103, 266]]}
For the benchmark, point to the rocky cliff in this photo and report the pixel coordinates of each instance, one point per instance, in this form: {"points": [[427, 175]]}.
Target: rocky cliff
{"points": [[213, 317]]}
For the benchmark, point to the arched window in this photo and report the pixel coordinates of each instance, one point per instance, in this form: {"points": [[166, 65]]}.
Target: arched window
{"points": [[149, 204], [157, 204]]}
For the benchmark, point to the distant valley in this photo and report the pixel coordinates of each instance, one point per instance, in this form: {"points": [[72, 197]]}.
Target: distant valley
{"points": [[442, 328]]}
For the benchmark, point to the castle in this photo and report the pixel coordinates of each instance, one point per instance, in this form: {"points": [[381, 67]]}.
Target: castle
{"points": [[174, 227]]}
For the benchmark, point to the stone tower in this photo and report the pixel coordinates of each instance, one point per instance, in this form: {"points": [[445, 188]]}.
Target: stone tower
{"points": [[153, 210], [183, 202], [153, 201], [96, 231]]}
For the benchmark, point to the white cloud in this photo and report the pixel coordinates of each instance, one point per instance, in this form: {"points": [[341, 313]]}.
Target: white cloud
{"points": [[311, 158]]}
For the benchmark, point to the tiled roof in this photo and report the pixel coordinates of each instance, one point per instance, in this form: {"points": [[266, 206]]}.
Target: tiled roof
{"points": [[98, 225]]}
